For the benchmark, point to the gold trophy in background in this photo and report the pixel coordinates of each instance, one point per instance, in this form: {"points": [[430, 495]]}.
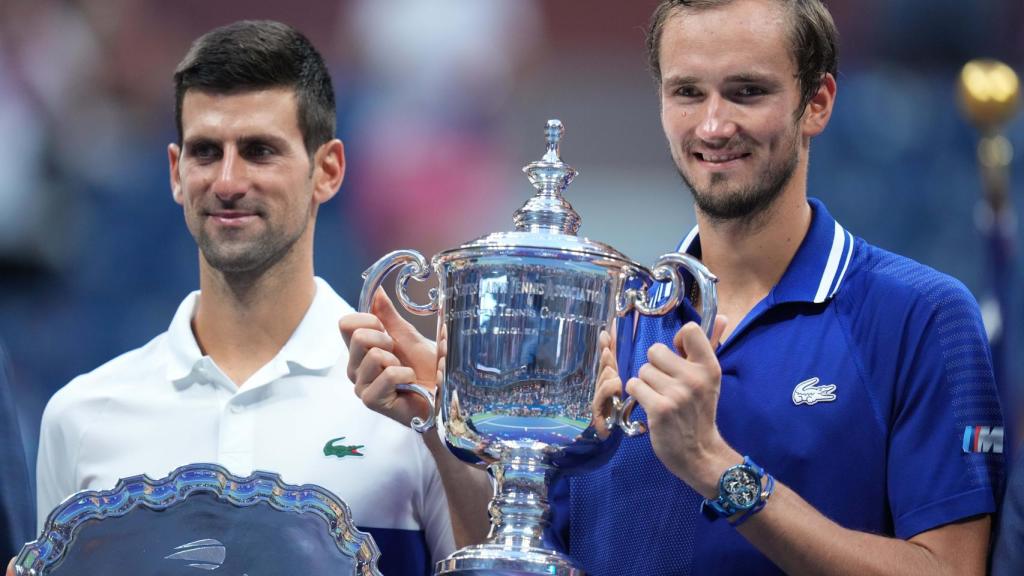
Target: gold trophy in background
{"points": [[989, 97]]}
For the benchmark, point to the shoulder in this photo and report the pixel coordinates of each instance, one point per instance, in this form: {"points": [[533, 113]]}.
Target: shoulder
{"points": [[889, 283], [88, 392], [912, 325]]}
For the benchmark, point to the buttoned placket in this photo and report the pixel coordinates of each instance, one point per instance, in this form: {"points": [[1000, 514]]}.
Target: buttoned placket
{"points": [[237, 447], [236, 425]]}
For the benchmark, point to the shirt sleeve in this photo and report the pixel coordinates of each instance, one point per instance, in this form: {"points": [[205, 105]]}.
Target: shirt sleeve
{"points": [[55, 462], [944, 392]]}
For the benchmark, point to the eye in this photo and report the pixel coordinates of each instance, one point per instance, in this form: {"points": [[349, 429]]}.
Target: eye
{"points": [[750, 91], [687, 91], [259, 151], [204, 151]]}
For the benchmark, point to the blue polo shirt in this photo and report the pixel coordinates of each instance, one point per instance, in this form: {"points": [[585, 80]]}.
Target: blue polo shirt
{"points": [[863, 381]]}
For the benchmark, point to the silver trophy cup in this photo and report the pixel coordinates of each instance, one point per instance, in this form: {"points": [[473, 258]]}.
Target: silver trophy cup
{"points": [[519, 318]]}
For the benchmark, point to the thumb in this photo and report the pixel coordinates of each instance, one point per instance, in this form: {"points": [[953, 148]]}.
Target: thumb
{"points": [[680, 339], [721, 322], [385, 311], [692, 343]]}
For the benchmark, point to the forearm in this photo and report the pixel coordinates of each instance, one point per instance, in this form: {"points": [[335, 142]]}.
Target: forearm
{"points": [[468, 489], [801, 540]]}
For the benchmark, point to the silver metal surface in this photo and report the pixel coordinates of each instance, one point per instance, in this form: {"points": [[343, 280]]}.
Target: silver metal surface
{"points": [[200, 516], [667, 269], [414, 265], [520, 314]]}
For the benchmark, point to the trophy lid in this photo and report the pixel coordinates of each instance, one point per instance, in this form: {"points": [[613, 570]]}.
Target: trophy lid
{"points": [[546, 221]]}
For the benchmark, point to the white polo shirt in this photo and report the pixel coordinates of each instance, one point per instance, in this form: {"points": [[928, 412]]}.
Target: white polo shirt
{"points": [[165, 405]]}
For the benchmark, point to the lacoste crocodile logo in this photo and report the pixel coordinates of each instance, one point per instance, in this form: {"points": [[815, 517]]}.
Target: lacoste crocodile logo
{"points": [[342, 450], [808, 392]]}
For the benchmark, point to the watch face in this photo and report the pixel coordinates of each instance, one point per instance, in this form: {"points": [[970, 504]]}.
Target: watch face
{"points": [[741, 487]]}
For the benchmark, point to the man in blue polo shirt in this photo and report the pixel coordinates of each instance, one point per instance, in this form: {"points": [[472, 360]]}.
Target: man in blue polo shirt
{"points": [[851, 397], [847, 423]]}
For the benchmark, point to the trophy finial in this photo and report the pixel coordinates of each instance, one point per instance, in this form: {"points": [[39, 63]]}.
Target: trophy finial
{"points": [[989, 93], [548, 211], [553, 131]]}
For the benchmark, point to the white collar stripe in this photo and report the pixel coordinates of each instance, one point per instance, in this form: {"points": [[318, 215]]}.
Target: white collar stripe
{"points": [[684, 246], [834, 256], [849, 256]]}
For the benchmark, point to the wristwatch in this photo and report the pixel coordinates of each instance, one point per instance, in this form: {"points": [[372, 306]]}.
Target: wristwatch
{"points": [[739, 491]]}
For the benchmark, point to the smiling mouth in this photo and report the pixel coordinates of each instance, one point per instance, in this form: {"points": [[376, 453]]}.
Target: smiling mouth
{"points": [[720, 158], [232, 217]]}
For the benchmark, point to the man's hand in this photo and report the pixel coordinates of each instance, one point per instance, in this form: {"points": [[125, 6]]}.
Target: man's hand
{"points": [[679, 392], [609, 384], [385, 350], [10, 567]]}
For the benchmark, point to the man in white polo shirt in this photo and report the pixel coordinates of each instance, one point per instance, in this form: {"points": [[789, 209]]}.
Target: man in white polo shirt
{"points": [[251, 371]]}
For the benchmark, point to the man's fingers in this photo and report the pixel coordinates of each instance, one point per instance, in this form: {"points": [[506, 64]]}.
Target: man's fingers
{"points": [[644, 394], [608, 360], [721, 322], [608, 384], [376, 362], [382, 395], [349, 323], [362, 341], [384, 309], [691, 344], [442, 339], [662, 382]]}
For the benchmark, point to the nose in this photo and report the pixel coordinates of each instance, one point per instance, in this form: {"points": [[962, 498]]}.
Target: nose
{"points": [[231, 183], [717, 125]]}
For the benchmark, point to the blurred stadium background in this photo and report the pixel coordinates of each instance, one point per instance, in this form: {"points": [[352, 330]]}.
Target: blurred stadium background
{"points": [[440, 103]]}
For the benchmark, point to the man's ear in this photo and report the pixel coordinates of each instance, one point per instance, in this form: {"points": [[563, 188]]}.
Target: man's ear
{"points": [[328, 170], [819, 109], [173, 158]]}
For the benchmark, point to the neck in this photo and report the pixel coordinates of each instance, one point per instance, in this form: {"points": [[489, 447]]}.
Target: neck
{"points": [[243, 320], [750, 257]]}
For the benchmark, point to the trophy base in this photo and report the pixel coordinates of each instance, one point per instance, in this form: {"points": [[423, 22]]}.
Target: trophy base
{"points": [[496, 560]]}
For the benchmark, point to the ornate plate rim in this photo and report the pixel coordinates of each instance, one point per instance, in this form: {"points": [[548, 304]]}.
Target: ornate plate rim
{"points": [[63, 522]]}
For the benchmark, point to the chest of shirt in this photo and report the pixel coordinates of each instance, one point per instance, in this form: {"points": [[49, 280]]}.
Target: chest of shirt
{"points": [[795, 398], [307, 429]]}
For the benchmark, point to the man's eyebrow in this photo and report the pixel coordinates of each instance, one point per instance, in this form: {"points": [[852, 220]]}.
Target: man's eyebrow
{"points": [[267, 139], [194, 141], [751, 78], [681, 80], [740, 78]]}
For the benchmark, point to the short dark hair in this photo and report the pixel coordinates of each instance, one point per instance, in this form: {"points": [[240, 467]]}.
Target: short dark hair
{"points": [[259, 54], [814, 38]]}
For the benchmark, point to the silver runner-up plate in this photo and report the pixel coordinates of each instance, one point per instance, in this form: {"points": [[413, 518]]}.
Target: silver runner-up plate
{"points": [[201, 519]]}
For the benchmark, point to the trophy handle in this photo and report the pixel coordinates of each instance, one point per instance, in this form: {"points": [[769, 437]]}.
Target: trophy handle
{"points": [[621, 412], [414, 265], [666, 269]]}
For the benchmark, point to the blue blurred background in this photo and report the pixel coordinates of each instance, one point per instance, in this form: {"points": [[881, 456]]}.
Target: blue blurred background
{"points": [[440, 104]]}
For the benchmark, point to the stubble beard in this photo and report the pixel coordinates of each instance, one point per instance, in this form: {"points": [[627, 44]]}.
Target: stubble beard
{"points": [[246, 258], [743, 204]]}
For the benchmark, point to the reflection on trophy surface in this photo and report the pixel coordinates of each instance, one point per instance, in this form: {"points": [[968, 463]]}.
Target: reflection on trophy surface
{"points": [[520, 314]]}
